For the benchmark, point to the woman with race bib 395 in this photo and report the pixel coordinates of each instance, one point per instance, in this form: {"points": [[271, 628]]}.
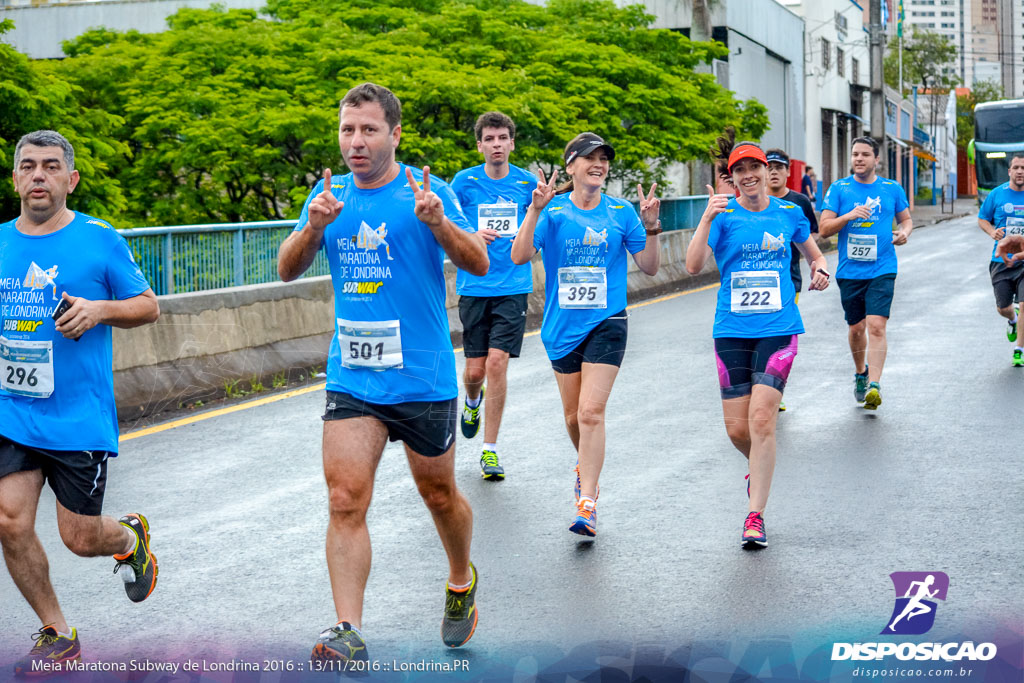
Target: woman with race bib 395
{"points": [[756, 319], [585, 237]]}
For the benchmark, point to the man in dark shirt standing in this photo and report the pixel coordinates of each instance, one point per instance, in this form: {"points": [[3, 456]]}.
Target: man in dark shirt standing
{"points": [[807, 183], [778, 175]]}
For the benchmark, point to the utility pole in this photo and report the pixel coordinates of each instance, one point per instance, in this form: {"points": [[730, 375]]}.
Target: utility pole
{"points": [[875, 33]]}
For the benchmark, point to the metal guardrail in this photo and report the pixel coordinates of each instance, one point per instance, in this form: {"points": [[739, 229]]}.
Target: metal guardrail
{"points": [[192, 258]]}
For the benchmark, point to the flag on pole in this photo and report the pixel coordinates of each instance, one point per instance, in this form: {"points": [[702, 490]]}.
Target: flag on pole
{"points": [[899, 19], [885, 13]]}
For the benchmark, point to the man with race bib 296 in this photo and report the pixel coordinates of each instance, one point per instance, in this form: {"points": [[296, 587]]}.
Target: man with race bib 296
{"points": [[492, 308], [391, 366], [65, 279], [1002, 215], [861, 209]]}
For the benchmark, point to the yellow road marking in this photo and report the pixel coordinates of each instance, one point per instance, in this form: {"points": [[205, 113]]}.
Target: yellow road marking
{"points": [[156, 429]]}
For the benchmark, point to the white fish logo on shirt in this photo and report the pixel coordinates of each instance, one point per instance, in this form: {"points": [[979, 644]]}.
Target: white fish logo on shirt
{"points": [[593, 238], [772, 243], [369, 238], [37, 278]]}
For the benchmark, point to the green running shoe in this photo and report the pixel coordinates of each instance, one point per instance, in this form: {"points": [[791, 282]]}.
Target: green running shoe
{"points": [[460, 614], [471, 417], [1011, 331], [873, 398], [339, 644], [138, 568], [1018, 358], [48, 655], [860, 385], [489, 467]]}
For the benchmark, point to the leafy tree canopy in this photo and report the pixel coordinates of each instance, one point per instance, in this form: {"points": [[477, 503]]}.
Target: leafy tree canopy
{"points": [[228, 117], [928, 62]]}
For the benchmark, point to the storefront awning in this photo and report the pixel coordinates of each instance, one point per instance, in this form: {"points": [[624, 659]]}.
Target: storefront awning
{"points": [[898, 142], [924, 154]]}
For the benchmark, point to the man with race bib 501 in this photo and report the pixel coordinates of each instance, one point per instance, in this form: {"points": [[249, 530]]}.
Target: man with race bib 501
{"points": [[492, 308], [65, 279], [391, 366], [861, 209], [1002, 215]]}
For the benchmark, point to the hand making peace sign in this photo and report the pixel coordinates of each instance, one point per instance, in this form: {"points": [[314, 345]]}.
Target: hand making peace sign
{"points": [[429, 207], [544, 192], [650, 207]]}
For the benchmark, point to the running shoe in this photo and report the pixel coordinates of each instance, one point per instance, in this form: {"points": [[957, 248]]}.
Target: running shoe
{"points": [[782, 406], [860, 385], [471, 417], [138, 568], [576, 491], [340, 643], [50, 652], [489, 467], [1018, 358], [753, 531], [1011, 331], [460, 614], [873, 398], [585, 523]]}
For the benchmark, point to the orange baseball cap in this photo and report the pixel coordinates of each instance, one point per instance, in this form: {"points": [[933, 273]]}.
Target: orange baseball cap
{"points": [[746, 151]]}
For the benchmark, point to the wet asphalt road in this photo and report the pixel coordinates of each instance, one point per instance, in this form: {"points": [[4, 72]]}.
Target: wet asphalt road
{"points": [[930, 482]]}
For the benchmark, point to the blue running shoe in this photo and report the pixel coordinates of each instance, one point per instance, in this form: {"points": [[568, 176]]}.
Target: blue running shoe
{"points": [[585, 523], [860, 385], [470, 421], [489, 467]]}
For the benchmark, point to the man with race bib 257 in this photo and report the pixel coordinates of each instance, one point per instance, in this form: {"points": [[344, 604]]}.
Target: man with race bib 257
{"points": [[391, 366], [65, 279], [861, 209], [1002, 215], [492, 308]]}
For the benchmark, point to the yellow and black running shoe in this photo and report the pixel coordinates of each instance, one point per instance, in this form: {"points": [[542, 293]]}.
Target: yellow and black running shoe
{"points": [[490, 468], [460, 614], [340, 643], [470, 421], [138, 568], [49, 654]]}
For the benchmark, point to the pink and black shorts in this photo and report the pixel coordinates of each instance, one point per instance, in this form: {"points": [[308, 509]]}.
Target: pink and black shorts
{"points": [[742, 363]]}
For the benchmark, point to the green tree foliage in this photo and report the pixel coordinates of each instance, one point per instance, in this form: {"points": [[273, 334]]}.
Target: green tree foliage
{"points": [[928, 62], [231, 117], [32, 99], [983, 91]]}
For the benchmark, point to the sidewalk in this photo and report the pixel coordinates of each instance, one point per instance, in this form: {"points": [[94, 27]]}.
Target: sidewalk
{"points": [[926, 214]]}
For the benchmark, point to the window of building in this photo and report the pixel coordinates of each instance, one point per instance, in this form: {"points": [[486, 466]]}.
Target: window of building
{"points": [[826, 54], [855, 69], [840, 61]]}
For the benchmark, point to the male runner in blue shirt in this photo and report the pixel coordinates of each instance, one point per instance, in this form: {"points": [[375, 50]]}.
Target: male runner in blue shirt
{"points": [[65, 279], [1002, 215], [391, 366], [861, 209], [494, 197]]}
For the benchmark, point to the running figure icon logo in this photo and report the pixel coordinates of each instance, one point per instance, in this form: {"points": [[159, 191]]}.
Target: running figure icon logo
{"points": [[370, 239], [38, 278], [914, 611]]}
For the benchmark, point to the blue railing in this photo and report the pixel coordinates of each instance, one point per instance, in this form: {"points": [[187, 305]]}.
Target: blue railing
{"points": [[191, 258]]}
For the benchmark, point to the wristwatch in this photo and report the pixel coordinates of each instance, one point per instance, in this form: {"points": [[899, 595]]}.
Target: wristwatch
{"points": [[656, 231]]}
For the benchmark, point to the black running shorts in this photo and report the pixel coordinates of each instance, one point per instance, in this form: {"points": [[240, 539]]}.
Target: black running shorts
{"points": [[1007, 282], [606, 344], [427, 427], [493, 322], [862, 298], [78, 478]]}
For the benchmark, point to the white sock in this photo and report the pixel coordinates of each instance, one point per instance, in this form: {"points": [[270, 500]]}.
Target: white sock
{"points": [[493, 447], [585, 499], [473, 402], [70, 635], [1018, 348], [135, 543], [1014, 321], [459, 589]]}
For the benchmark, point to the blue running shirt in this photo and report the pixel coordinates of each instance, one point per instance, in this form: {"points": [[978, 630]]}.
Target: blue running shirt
{"points": [[757, 297], [585, 265], [56, 393], [865, 246], [391, 342], [492, 203], [1004, 208]]}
